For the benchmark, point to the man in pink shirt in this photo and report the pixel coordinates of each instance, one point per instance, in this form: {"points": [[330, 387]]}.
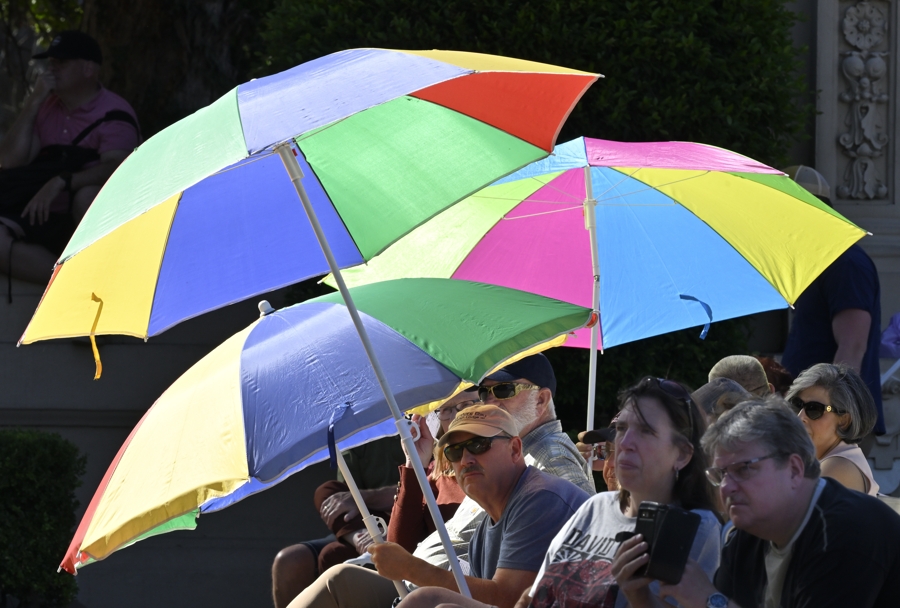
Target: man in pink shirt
{"points": [[67, 106]]}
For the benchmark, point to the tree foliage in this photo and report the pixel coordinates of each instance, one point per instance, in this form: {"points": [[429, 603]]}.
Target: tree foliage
{"points": [[722, 73], [39, 473]]}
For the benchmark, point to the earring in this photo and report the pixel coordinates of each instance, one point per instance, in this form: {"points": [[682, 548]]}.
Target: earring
{"points": [[676, 475]]}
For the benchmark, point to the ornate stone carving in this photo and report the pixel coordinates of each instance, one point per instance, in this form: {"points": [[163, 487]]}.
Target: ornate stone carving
{"points": [[864, 27]]}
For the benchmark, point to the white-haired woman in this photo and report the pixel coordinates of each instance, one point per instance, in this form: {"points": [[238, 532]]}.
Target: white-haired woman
{"points": [[837, 409]]}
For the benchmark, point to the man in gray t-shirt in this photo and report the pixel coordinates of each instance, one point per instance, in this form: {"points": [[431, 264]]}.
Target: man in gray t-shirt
{"points": [[525, 508]]}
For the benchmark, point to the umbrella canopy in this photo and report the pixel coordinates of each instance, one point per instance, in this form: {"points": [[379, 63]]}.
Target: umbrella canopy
{"points": [[203, 214], [685, 234], [257, 409]]}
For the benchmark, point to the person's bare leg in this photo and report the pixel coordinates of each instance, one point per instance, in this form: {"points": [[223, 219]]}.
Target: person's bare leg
{"points": [[30, 262], [82, 201], [293, 570], [432, 597]]}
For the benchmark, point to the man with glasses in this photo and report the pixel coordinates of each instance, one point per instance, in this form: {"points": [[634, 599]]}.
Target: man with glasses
{"points": [[526, 389], [799, 540], [525, 506]]}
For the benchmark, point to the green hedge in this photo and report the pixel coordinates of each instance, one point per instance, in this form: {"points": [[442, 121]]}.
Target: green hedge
{"points": [[39, 473], [717, 72]]}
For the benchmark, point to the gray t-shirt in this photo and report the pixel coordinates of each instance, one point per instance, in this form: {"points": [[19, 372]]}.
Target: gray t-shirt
{"points": [[539, 506], [546, 448], [577, 568]]}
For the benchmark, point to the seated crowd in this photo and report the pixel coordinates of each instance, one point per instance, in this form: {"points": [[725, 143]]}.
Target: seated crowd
{"points": [[777, 488]]}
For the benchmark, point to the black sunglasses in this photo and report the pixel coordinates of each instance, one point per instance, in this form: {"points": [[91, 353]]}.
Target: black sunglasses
{"points": [[814, 409], [676, 391], [504, 390], [475, 445]]}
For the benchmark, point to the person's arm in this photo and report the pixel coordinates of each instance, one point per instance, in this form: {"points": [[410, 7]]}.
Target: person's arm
{"points": [[407, 526], [851, 332], [21, 144], [37, 211], [845, 472], [525, 600], [396, 563], [694, 589]]}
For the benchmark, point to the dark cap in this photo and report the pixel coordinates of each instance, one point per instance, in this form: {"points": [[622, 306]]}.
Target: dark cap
{"points": [[535, 368], [72, 44], [602, 435], [723, 392]]}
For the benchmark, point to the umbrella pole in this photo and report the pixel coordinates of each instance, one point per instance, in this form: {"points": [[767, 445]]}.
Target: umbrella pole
{"points": [[293, 168], [373, 524], [590, 224]]}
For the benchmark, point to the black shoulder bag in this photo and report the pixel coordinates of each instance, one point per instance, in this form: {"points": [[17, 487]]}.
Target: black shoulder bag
{"points": [[19, 184]]}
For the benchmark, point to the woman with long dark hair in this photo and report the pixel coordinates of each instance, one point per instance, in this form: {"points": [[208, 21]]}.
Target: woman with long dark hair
{"points": [[658, 459]]}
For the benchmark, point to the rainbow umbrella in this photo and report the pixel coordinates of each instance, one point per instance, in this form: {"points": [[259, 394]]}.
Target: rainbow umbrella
{"points": [[204, 214], [656, 237], [258, 408]]}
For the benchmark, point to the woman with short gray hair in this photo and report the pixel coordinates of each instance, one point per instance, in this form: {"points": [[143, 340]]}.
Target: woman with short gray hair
{"points": [[837, 409]]}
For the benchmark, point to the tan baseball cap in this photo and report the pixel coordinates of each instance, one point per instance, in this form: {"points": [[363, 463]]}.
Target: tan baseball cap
{"points": [[481, 420]]}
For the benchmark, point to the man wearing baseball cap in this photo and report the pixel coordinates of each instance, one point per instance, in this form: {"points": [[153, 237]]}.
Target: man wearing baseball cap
{"points": [[525, 508], [68, 107], [526, 389]]}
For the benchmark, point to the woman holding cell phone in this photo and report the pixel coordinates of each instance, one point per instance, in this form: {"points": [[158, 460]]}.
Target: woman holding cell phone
{"points": [[658, 460], [838, 411]]}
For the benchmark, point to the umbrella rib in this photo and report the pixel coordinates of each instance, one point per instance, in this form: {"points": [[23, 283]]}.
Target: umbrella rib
{"points": [[631, 175], [248, 160], [522, 217]]}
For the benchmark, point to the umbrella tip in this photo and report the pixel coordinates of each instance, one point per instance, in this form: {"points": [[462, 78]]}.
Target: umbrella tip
{"points": [[265, 308]]}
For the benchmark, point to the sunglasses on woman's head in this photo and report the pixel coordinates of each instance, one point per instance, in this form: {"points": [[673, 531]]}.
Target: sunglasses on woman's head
{"points": [[475, 446], [814, 410], [504, 390], [676, 391]]}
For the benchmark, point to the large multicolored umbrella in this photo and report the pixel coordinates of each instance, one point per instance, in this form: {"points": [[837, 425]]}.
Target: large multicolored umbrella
{"points": [[680, 234], [257, 409], [204, 214]]}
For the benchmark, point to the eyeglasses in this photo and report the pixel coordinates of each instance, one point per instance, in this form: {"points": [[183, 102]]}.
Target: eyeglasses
{"points": [[814, 409], [738, 471], [673, 389], [607, 452], [449, 412], [475, 445], [505, 390]]}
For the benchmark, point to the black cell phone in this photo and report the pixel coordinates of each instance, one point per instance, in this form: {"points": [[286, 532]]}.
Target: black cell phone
{"points": [[669, 533]]}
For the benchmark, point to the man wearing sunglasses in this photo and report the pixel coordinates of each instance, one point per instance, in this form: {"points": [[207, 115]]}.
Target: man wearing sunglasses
{"points": [[526, 389], [799, 540], [525, 506]]}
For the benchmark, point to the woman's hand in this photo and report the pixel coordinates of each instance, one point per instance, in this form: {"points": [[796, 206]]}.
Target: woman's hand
{"points": [[694, 588], [424, 444], [632, 554]]}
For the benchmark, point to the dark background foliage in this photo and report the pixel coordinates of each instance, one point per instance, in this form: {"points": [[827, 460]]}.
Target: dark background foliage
{"points": [[713, 71], [39, 473]]}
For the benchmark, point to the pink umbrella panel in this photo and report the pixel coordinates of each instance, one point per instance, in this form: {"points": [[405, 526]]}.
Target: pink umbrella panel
{"points": [[684, 234]]}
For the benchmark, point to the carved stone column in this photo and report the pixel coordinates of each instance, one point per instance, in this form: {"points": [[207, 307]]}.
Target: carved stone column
{"points": [[856, 52], [864, 101], [856, 79]]}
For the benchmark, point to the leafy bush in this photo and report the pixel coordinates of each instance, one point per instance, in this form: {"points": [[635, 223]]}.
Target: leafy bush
{"points": [[39, 473], [722, 73]]}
